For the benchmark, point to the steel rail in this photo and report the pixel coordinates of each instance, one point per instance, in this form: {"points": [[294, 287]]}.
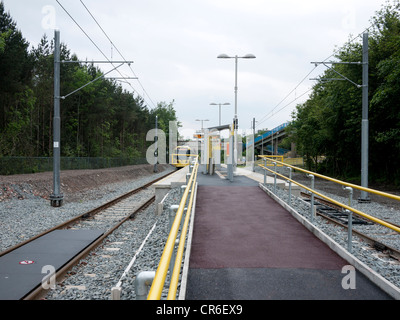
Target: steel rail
{"points": [[85, 215], [328, 203], [377, 192], [39, 291], [377, 244], [369, 217]]}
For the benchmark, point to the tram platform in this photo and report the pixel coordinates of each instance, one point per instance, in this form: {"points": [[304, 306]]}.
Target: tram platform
{"points": [[162, 187], [245, 246]]}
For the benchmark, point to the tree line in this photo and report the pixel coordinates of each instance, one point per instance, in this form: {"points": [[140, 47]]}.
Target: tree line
{"points": [[101, 120], [329, 123]]}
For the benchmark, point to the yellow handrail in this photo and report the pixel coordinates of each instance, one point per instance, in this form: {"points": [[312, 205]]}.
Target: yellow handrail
{"points": [[381, 222], [354, 186], [161, 273], [179, 255], [273, 158]]}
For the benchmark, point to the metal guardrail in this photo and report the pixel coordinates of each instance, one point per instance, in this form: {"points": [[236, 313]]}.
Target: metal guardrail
{"points": [[166, 257], [271, 132], [294, 161], [348, 185], [273, 159]]}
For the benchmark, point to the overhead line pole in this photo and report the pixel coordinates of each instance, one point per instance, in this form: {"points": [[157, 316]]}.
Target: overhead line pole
{"points": [[364, 122], [254, 145], [56, 198], [156, 146]]}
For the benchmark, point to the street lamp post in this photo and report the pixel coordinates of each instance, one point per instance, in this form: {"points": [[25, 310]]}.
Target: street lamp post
{"points": [[235, 120], [202, 121], [220, 104]]}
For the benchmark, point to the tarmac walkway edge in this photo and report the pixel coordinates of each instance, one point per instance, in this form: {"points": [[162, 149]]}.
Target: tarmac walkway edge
{"points": [[185, 269], [376, 278]]}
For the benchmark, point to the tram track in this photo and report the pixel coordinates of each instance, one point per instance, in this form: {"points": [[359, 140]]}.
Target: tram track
{"points": [[108, 217], [40, 292], [67, 224], [334, 214]]}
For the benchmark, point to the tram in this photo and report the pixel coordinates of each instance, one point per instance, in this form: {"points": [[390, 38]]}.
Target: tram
{"points": [[181, 156]]}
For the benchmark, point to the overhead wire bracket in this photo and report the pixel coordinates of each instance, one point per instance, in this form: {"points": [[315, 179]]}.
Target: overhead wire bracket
{"points": [[102, 76], [344, 77]]}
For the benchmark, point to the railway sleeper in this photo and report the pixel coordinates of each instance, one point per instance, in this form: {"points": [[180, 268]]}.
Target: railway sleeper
{"points": [[341, 216], [336, 214], [379, 246]]}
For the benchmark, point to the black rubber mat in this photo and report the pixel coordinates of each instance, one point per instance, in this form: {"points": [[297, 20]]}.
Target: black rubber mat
{"points": [[23, 269]]}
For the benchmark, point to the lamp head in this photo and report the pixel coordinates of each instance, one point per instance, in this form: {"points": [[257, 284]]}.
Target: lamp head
{"points": [[223, 56], [249, 56]]}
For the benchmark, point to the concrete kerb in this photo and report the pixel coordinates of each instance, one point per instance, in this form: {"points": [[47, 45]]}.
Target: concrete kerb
{"points": [[164, 186], [280, 183], [185, 270], [376, 278]]}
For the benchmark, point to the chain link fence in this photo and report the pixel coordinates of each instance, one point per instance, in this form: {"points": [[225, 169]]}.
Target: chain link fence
{"points": [[22, 165]]}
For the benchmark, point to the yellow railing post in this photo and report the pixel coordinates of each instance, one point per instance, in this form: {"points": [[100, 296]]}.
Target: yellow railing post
{"points": [[384, 194]]}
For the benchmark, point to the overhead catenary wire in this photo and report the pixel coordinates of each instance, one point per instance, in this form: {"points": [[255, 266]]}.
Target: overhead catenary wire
{"points": [[114, 46], [91, 40], [271, 113], [98, 48]]}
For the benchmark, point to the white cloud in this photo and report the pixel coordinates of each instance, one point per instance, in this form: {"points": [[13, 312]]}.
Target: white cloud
{"points": [[175, 44]]}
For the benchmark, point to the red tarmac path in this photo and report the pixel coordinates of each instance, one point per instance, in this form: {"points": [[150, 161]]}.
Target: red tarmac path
{"points": [[246, 246]]}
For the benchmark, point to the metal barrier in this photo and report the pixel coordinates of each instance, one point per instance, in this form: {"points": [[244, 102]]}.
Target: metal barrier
{"points": [[161, 273], [273, 158], [294, 161], [349, 187]]}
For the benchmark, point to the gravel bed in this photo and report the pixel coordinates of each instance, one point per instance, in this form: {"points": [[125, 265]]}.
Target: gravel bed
{"points": [[23, 219], [95, 276], [386, 266]]}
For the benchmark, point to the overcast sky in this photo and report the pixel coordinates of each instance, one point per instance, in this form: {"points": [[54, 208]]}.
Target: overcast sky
{"points": [[175, 43]]}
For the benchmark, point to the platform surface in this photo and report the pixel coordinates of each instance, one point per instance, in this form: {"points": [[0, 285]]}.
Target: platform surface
{"points": [[245, 246], [174, 179], [21, 269]]}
